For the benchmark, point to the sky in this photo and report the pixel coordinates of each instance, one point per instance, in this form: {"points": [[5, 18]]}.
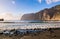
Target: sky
{"points": [[14, 9]]}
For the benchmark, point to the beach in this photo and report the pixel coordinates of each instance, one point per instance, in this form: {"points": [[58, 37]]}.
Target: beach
{"points": [[19, 30], [51, 33]]}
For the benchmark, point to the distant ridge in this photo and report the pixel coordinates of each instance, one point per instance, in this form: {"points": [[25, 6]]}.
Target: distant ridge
{"points": [[46, 14]]}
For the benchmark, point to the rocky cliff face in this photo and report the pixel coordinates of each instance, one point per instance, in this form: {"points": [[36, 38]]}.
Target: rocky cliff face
{"points": [[46, 14], [28, 17]]}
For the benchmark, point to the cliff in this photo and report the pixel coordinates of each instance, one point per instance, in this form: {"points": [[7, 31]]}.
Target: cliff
{"points": [[46, 14], [28, 17]]}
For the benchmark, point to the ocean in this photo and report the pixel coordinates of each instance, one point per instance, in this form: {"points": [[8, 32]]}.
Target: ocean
{"points": [[8, 25]]}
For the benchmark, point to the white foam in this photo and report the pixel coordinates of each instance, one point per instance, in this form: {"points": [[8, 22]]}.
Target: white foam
{"points": [[10, 26]]}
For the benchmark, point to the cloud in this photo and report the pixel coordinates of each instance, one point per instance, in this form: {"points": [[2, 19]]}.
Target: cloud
{"points": [[49, 1], [13, 2], [10, 16], [56, 0], [40, 1]]}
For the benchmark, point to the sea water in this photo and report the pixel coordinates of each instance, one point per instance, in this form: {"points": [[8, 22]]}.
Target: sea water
{"points": [[8, 25]]}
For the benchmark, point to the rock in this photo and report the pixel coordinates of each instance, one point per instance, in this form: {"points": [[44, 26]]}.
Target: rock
{"points": [[1, 19], [28, 17]]}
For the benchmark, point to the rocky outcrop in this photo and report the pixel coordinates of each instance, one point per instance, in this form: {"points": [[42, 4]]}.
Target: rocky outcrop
{"points": [[46, 14], [1, 19]]}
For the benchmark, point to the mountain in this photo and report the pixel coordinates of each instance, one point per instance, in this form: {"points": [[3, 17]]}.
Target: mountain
{"points": [[46, 14], [28, 16]]}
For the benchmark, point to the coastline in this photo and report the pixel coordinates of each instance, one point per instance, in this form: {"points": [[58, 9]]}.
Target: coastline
{"points": [[51, 33]]}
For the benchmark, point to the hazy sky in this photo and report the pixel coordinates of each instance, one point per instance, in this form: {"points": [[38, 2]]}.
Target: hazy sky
{"points": [[13, 9]]}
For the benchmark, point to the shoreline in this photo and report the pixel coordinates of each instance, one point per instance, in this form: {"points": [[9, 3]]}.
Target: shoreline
{"points": [[10, 26], [51, 33]]}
